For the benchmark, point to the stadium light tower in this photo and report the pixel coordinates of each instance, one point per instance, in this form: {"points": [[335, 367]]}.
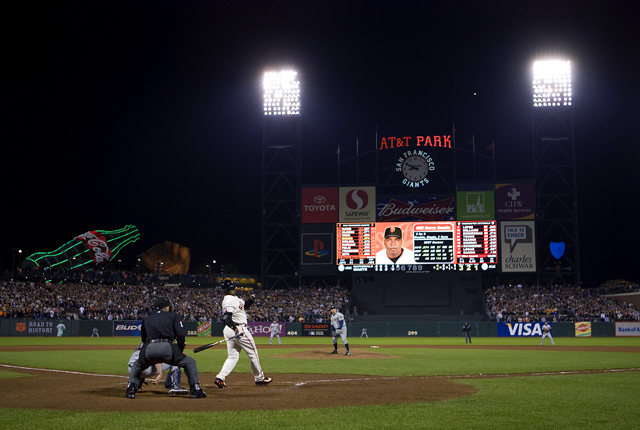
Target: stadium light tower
{"points": [[552, 83], [281, 180], [555, 172], [281, 93]]}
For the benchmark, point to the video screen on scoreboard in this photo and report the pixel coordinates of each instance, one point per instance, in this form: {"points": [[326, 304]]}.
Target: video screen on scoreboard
{"points": [[417, 247]]}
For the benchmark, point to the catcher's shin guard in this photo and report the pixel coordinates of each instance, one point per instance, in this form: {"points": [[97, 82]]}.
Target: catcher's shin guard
{"points": [[173, 378]]}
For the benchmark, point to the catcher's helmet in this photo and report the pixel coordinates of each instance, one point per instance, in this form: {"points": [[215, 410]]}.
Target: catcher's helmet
{"points": [[228, 285]]}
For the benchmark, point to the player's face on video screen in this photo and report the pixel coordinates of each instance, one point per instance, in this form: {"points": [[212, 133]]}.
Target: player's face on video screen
{"points": [[393, 245]]}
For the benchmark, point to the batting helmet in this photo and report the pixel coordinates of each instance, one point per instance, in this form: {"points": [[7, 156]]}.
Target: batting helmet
{"points": [[228, 285]]}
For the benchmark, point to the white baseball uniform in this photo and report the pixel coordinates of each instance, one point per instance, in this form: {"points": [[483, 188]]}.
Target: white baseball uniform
{"points": [[546, 332], [275, 331], [235, 305]]}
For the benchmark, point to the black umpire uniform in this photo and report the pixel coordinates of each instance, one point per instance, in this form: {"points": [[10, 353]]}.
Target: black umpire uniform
{"points": [[159, 331]]}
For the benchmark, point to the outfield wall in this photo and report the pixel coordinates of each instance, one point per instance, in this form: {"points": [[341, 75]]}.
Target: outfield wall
{"points": [[84, 328]]}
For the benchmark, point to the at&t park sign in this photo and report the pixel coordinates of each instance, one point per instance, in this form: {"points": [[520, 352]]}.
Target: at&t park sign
{"points": [[415, 163]]}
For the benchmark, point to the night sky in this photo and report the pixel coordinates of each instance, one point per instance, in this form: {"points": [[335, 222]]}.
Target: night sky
{"points": [[150, 112]]}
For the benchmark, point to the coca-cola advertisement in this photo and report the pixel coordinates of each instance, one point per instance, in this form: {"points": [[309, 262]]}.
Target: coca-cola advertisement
{"points": [[98, 247], [416, 209]]}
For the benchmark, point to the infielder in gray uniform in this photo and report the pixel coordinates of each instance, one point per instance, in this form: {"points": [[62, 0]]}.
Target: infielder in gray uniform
{"points": [[546, 332], [275, 331], [339, 329]]}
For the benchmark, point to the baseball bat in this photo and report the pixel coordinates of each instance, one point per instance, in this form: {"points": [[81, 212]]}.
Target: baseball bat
{"points": [[209, 345]]}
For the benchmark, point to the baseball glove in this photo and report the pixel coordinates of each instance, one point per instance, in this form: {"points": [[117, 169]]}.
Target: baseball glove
{"points": [[175, 258], [334, 334]]}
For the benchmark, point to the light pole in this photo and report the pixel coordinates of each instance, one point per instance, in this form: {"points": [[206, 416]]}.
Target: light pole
{"points": [[209, 270], [13, 270], [214, 267], [281, 146], [556, 220]]}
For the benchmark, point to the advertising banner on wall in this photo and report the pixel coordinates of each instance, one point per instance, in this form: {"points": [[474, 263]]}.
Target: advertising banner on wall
{"points": [[514, 201], [263, 329], [316, 329], [127, 328], [517, 246], [520, 329], [416, 209], [24, 327], [626, 329], [357, 204], [319, 205], [204, 329], [317, 248], [583, 329], [475, 202]]}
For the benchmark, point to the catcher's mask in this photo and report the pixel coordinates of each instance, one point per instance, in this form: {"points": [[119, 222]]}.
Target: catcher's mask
{"points": [[163, 302]]}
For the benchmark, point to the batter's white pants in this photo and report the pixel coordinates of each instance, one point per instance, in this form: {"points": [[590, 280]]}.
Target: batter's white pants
{"points": [[234, 346]]}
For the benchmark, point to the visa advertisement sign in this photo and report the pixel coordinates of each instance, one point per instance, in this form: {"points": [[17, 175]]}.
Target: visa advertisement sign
{"points": [[127, 328], [520, 329]]}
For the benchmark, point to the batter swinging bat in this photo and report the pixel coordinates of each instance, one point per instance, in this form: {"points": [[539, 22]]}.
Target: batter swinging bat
{"points": [[207, 346]]}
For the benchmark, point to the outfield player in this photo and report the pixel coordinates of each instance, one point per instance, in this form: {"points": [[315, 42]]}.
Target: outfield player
{"points": [[364, 333], [466, 329], [275, 331], [94, 332], [339, 329], [546, 332], [235, 320], [173, 377]]}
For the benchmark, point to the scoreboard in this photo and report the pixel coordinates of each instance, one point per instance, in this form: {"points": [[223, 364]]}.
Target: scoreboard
{"points": [[436, 246]]}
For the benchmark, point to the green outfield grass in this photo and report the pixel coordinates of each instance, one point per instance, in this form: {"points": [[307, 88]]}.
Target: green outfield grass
{"points": [[569, 401]]}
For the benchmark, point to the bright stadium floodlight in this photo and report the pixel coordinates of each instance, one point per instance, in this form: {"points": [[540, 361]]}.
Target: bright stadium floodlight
{"points": [[552, 83], [281, 93]]}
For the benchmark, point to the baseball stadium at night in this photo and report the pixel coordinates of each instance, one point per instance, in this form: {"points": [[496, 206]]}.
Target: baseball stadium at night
{"points": [[386, 228]]}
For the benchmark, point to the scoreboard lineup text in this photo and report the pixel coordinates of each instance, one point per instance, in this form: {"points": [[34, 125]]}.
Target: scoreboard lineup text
{"points": [[438, 245]]}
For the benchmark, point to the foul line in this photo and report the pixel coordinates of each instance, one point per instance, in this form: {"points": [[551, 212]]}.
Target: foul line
{"points": [[299, 384], [62, 371]]}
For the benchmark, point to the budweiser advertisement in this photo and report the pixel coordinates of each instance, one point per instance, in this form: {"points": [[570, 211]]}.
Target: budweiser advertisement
{"points": [[319, 205], [416, 209]]}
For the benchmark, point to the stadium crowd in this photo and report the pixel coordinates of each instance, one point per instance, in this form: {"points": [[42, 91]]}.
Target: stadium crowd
{"points": [[129, 302], [123, 301], [556, 303]]}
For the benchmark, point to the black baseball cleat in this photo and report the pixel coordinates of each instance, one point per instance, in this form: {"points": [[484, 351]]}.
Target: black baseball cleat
{"points": [[335, 351], [197, 393], [265, 381], [131, 392], [347, 353], [220, 383]]}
